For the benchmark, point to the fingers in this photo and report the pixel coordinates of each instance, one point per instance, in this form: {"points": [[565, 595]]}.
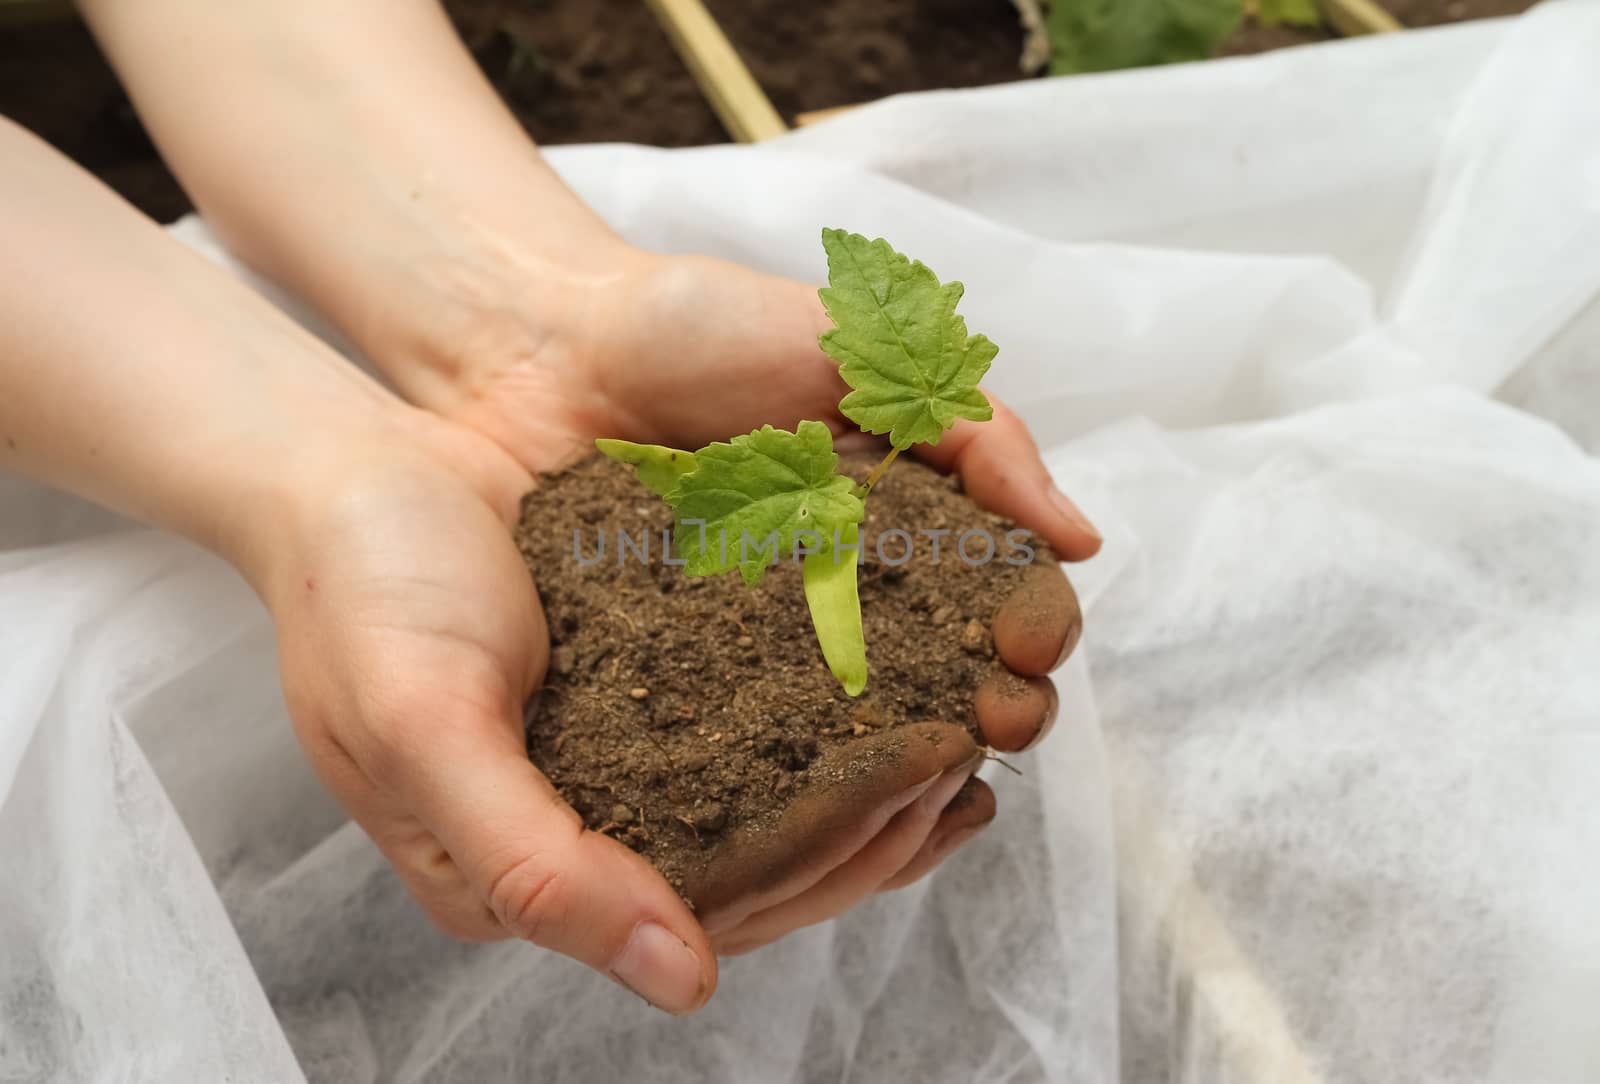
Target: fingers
{"points": [[1000, 466], [967, 814], [1036, 628], [437, 883], [427, 871], [1015, 713], [524, 853], [856, 789], [858, 877]]}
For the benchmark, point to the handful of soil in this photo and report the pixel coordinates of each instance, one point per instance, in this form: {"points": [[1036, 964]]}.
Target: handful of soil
{"points": [[677, 711]]}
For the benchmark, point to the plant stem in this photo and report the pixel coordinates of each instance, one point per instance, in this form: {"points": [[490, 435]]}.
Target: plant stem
{"points": [[877, 472]]}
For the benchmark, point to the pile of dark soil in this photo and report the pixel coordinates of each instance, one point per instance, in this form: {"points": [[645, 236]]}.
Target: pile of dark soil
{"points": [[678, 710], [814, 56]]}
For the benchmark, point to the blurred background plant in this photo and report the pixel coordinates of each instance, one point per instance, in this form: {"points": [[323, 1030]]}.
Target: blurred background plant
{"points": [[1103, 35]]}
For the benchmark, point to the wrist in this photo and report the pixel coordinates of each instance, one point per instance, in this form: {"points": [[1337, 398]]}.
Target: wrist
{"points": [[343, 470], [262, 490], [483, 299]]}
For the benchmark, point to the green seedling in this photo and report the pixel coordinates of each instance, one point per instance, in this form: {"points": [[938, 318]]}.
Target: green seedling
{"points": [[1103, 35], [913, 371]]}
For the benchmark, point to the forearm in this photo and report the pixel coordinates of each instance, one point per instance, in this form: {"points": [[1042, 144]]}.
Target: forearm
{"points": [[354, 152], [136, 374]]}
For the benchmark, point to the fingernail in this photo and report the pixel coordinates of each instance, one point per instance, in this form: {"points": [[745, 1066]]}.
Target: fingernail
{"points": [[1073, 513], [954, 840], [940, 794], [1068, 642], [1051, 708], [660, 967]]}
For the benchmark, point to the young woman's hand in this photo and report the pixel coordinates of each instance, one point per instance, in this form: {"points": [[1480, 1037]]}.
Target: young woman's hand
{"points": [[409, 638]]}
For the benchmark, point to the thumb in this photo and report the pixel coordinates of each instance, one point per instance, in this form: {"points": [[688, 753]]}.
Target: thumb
{"points": [[546, 879], [1000, 467]]}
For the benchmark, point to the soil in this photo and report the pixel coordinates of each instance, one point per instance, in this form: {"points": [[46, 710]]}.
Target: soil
{"points": [[1420, 13], [814, 56], [54, 82], [587, 71], [602, 70], [677, 711]]}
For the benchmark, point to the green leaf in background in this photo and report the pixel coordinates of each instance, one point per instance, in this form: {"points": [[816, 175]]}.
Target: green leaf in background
{"points": [[1292, 12], [899, 343], [835, 601], [763, 489], [1103, 35], [657, 467]]}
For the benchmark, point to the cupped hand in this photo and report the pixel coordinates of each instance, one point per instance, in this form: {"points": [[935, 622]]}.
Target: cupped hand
{"points": [[410, 637], [682, 351]]}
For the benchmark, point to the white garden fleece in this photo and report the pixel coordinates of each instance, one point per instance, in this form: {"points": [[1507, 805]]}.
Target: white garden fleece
{"points": [[1314, 337]]}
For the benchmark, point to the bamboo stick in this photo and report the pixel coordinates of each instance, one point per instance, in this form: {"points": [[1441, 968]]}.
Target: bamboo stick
{"points": [[1352, 17], [816, 116], [725, 81]]}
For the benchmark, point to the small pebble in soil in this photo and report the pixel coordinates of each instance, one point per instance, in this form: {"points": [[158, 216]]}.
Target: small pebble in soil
{"points": [[975, 638], [621, 814], [639, 692], [867, 716], [709, 816]]}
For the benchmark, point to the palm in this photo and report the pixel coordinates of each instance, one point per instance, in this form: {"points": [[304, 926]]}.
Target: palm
{"points": [[414, 574], [409, 638]]}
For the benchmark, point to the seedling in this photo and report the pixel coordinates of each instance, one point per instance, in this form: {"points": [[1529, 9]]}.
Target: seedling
{"points": [[1100, 35], [913, 371]]}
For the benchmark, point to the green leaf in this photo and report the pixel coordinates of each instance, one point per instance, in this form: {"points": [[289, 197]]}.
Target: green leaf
{"points": [[1292, 12], [899, 343], [835, 602], [1102, 35], [746, 502], [657, 467]]}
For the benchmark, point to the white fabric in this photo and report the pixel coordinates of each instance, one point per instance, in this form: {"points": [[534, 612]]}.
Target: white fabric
{"points": [[1315, 337]]}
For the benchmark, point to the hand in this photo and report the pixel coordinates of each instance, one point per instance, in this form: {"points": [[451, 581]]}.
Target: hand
{"points": [[409, 638], [684, 351]]}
